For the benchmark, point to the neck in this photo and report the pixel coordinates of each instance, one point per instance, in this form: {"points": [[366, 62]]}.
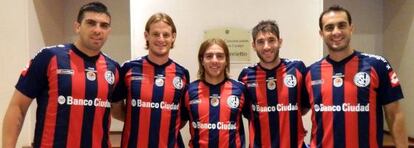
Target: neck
{"points": [[340, 55], [159, 60], [214, 80], [83, 49], [270, 65]]}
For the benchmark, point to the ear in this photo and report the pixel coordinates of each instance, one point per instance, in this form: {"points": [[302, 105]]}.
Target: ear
{"points": [[173, 37], [146, 35], [321, 33], [254, 46], [352, 28], [76, 26], [280, 42]]}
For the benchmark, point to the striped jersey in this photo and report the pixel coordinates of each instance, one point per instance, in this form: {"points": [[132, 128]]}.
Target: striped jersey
{"points": [[215, 114], [153, 97], [277, 96], [73, 93], [347, 99]]}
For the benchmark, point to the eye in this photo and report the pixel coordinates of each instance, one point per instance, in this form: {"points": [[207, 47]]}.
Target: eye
{"points": [[342, 25], [90, 22], [260, 42], [166, 35], [329, 27], [105, 25], [155, 34]]}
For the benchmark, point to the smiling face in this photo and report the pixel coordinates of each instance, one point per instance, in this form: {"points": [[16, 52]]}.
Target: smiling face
{"points": [[267, 47], [93, 31], [214, 63], [336, 31], [160, 39]]}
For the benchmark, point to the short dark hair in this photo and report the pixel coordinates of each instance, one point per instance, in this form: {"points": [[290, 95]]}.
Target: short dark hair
{"points": [[203, 48], [266, 26], [335, 8], [97, 7]]}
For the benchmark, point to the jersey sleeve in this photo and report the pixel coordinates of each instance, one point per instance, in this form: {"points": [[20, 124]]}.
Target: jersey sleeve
{"points": [[304, 100], [33, 79], [389, 87], [120, 92]]}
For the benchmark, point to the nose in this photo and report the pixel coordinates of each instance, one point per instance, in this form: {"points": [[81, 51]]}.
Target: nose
{"points": [[336, 30]]}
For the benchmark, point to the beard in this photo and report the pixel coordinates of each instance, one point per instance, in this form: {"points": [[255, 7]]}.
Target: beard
{"points": [[269, 61]]}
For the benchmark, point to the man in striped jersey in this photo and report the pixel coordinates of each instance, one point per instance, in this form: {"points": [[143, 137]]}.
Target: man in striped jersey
{"points": [[154, 86], [275, 87], [214, 103], [73, 85], [349, 90]]}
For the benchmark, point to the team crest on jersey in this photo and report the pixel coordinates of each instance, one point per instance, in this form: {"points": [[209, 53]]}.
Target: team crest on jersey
{"points": [[110, 77], [91, 75], [271, 83], [178, 82], [233, 101], [394, 79], [362, 79], [159, 82], [290, 80], [338, 81], [215, 100]]}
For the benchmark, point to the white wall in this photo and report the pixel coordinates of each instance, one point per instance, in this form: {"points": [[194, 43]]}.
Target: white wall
{"points": [[399, 50], [368, 22], [297, 19]]}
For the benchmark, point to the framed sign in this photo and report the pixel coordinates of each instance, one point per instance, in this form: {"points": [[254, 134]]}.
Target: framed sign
{"points": [[238, 40]]}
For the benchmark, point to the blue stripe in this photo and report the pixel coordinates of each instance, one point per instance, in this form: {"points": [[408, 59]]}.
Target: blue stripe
{"points": [[174, 113], [214, 117], [273, 100], [193, 91], [111, 66], [251, 77], [63, 111], [136, 68], [157, 96], [339, 117], [89, 111], [363, 117], [293, 115], [315, 73]]}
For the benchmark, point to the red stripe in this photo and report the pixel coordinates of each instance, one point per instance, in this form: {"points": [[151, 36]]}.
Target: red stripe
{"points": [[97, 135], [127, 123], [225, 113], [283, 98], [78, 91], [327, 117], [351, 96], [169, 92], [261, 97], [145, 113], [51, 111], [308, 80], [373, 109], [203, 112]]}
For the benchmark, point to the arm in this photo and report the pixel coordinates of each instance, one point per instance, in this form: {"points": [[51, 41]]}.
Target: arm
{"points": [[14, 119], [396, 123], [118, 110]]}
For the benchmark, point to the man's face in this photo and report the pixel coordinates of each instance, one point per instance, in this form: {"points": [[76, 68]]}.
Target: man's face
{"points": [[336, 31], [93, 30], [160, 39], [214, 62], [267, 47]]}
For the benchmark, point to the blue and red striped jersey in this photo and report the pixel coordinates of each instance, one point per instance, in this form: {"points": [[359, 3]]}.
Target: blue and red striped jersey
{"points": [[73, 93], [347, 99], [215, 113], [276, 97], [153, 97]]}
